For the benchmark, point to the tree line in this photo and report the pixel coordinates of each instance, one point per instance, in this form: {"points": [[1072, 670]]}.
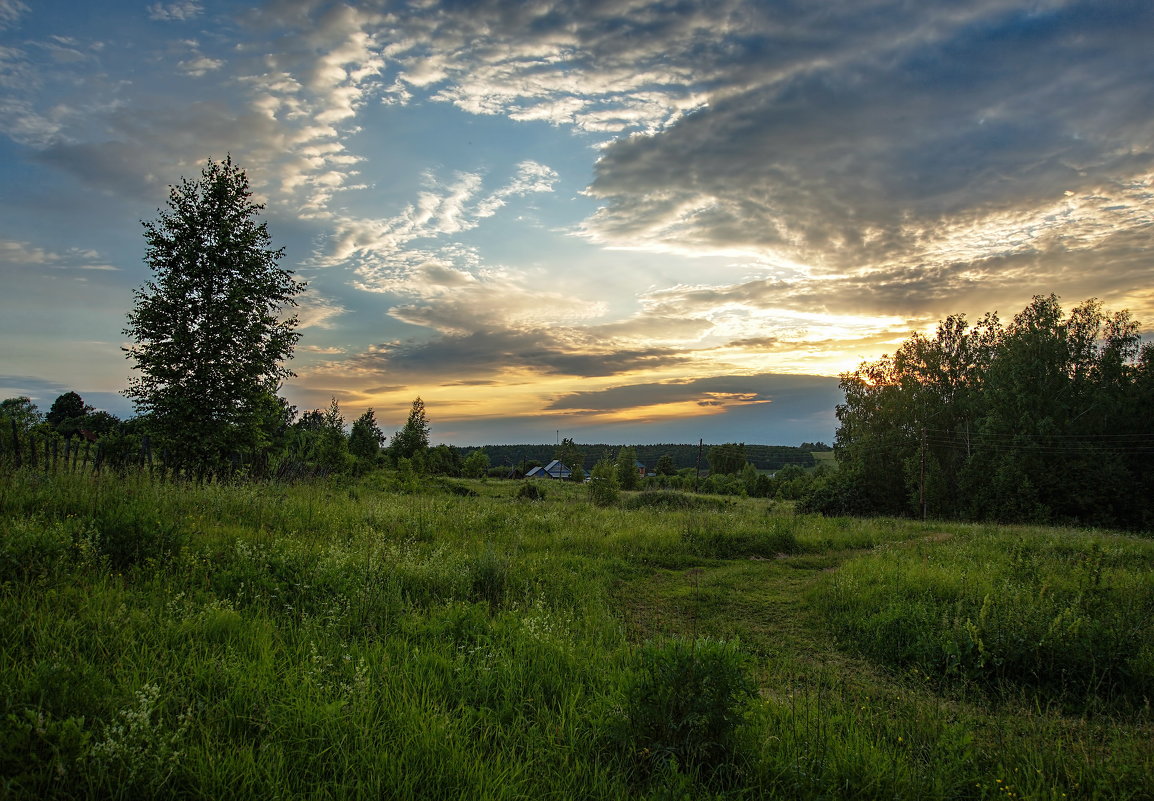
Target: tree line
{"points": [[1045, 419], [683, 455]]}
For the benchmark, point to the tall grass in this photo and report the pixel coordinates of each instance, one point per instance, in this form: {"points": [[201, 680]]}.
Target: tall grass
{"points": [[347, 640], [1066, 612]]}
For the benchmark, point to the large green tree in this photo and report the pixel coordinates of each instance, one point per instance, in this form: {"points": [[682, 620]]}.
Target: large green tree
{"points": [[19, 411], [210, 328], [366, 438], [413, 438], [727, 459], [1043, 419], [68, 414]]}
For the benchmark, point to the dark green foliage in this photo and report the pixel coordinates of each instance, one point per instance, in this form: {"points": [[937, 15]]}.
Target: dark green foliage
{"points": [[668, 499], [476, 464], [710, 541], [443, 460], [603, 488], [530, 491], [1043, 420], [665, 466], [209, 332], [684, 705], [68, 414], [366, 438], [316, 443], [628, 477], [20, 411], [101, 423], [489, 574], [684, 455], [727, 459], [413, 439], [127, 536]]}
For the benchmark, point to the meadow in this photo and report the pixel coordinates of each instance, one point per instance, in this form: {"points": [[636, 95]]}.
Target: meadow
{"points": [[398, 639]]}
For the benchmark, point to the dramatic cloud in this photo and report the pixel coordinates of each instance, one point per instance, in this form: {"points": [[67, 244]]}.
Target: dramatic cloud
{"points": [[549, 204]]}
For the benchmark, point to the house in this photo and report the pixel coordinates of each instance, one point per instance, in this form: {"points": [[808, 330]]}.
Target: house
{"points": [[641, 469], [555, 469]]}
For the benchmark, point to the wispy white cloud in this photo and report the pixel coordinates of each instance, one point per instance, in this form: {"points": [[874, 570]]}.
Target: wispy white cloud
{"points": [[10, 12], [313, 310], [17, 254], [179, 11], [383, 248]]}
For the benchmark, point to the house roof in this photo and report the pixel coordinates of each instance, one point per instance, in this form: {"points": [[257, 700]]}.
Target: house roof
{"points": [[557, 468]]}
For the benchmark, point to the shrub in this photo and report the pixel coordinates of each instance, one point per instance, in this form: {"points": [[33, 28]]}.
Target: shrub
{"points": [[530, 491], [603, 483], [684, 704], [128, 536]]}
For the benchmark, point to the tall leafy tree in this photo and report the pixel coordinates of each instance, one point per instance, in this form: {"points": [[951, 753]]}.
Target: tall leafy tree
{"points": [[19, 411], [413, 438], [727, 459], [366, 438], [68, 414], [628, 477], [476, 463], [210, 328], [1039, 420]]}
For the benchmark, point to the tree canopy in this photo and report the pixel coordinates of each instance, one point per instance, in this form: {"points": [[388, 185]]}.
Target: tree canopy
{"points": [[210, 328], [1045, 419], [413, 438]]}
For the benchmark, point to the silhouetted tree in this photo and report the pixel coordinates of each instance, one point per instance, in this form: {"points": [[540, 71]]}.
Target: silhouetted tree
{"points": [[21, 411], [210, 331], [413, 439], [366, 438], [727, 459]]}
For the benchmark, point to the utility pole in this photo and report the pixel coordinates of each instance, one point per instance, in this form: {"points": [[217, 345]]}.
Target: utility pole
{"points": [[922, 480]]}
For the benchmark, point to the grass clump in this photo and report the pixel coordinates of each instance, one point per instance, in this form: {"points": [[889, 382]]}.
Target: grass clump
{"points": [[685, 702], [1062, 612]]}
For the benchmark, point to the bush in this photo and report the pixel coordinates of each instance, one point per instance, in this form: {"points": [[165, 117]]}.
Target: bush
{"points": [[684, 704], [603, 483], [128, 536], [530, 491]]}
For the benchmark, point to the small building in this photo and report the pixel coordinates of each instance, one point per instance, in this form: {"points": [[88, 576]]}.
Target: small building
{"points": [[555, 469]]}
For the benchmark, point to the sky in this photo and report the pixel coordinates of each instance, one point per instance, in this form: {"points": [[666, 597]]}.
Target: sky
{"points": [[634, 221]]}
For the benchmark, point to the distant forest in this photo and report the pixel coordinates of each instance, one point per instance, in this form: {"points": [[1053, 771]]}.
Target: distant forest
{"points": [[763, 457]]}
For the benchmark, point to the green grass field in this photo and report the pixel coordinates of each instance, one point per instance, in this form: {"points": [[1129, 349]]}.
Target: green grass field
{"points": [[343, 640]]}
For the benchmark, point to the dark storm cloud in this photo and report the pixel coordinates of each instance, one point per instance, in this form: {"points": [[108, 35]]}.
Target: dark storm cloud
{"points": [[787, 390], [466, 356], [887, 144]]}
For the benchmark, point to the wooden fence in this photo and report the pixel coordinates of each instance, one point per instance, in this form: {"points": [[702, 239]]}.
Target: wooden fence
{"points": [[48, 451]]}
